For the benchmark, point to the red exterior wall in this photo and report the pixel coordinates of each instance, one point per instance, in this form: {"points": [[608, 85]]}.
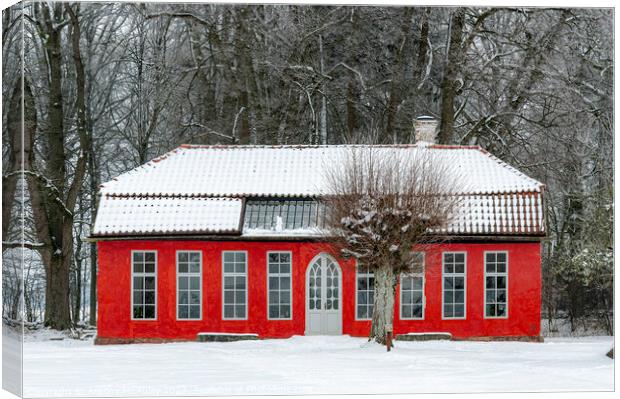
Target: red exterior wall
{"points": [[114, 292]]}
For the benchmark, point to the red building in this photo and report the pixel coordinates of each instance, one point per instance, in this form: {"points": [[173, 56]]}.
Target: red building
{"points": [[228, 239]]}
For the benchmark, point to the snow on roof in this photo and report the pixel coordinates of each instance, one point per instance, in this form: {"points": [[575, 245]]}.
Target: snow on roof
{"points": [[243, 171], [136, 215], [199, 189]]}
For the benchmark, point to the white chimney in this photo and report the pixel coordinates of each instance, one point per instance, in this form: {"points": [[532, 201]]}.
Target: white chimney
{"points": [[426, 129]]}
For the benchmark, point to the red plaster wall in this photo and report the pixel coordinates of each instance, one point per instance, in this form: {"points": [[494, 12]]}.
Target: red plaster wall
{"points": [[114, 286]]}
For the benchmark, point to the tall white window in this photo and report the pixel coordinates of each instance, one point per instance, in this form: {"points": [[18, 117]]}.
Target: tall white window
{"points": [[279, 284], [365, 287], [143, 285], [189, 293], [412, 289], [454, 283], [235, 285], [496, 284]]}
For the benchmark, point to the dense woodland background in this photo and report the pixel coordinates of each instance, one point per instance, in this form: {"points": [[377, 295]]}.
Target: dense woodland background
{"points": [[109, 86]]}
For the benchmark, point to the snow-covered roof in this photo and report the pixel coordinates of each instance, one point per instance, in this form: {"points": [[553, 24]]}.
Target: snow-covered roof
{"points": [[243, 171], [199, 189], [148, 215]]}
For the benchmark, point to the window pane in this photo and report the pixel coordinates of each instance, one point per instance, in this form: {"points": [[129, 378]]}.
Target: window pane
{"points": [[459, 296], [183, 283], [149, 257], [285, 296], [501, 310], [240, 311], [273, 311], [490, 310], [183, 267], [229, 257], [229, 296], [229, 283], [149, 297], [407, 297], [182, 257], [459, 310], [285, 282], [183, 312], [194, 312], [149, 268], [149, 311], [229, 311], [240, 283], [239, 268], [501, 282], [194, 283], [239, 297]]}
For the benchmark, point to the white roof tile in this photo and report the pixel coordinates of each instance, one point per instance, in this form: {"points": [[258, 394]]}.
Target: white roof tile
{"points": [[296, 171], [139, 215]]}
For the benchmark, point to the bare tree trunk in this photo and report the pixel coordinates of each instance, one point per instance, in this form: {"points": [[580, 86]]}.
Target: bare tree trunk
{"points": [[352, 99], [94, 188], [397, 85], [323, 111], [14, 124], [449, 83], [383, 314]]}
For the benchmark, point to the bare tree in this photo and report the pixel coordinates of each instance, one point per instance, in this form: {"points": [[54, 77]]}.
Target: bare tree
{"points": [[382, 204]]}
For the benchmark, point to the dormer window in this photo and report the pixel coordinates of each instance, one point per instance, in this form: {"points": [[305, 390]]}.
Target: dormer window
{"points": [[277, 214]]}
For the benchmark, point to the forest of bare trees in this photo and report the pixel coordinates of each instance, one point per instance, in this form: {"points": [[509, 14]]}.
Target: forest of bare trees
{"points": [[108, 86]]}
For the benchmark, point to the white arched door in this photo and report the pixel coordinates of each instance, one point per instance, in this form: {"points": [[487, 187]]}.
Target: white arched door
{"points": [[323, 297]]}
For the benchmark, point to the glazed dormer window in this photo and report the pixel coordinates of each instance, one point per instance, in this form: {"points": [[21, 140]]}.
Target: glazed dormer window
{"points": [[284, 214]]}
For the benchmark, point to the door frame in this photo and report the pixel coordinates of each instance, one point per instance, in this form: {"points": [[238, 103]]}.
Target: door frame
{"points": [[307, 288]]}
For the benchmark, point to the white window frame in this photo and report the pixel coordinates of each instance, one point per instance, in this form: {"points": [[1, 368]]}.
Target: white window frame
{"points": [[247, 285], [464, 275], [188, 274], [484, 284], [406, 275], [357, 275], [290, 276], [134, 274]]}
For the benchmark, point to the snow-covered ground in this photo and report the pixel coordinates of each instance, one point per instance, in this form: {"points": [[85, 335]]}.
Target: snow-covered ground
{"points": [[303, 365]]}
